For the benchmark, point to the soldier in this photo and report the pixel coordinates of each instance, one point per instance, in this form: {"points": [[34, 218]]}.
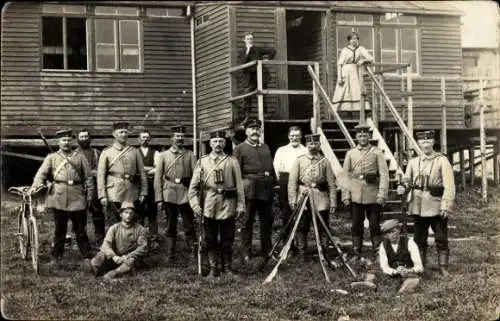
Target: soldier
{"points": [[259, 179], [120, 173], [367, 168], [171, 182], [283, 161], [150, 158], [95, 208], [216, 192], [68, 195], [314, 172], [430, 181]]}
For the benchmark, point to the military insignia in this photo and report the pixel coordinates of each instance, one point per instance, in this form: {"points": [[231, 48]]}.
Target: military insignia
{"points": [[177, 180], [71, 182], [126, 176], [313, 185], [266, 173]]}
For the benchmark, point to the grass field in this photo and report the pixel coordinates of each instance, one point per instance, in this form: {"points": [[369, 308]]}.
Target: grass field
{"points": [[161, 292]]}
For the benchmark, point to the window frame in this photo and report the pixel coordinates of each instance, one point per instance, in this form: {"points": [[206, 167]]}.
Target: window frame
{"points": [[64, 15], [354, 25]]}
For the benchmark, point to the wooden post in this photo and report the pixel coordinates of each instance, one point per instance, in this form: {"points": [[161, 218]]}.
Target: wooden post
{"points": [[374, 107], [496, 161], [403, 109], [362, 102], [444, 138], [381, 98], [471, 165], [409, 89], [203, 149], [462, 168], [482, 138], [260, 97], [316, 105]]}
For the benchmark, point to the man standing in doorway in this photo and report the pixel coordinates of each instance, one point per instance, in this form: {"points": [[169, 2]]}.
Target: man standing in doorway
{"points": [[367, 168], [150, 158], [120, 173], [259, 179], [171, 182], [432, 183], [248, 54], [95, 207]]}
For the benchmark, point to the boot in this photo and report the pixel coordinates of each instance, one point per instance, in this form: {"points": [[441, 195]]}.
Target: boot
{"points": [[357, 247], [227, 264], [423, 256], [212, 261], [171, 242], [191, 246], [376, 240], [301, 245], [443, 263]]}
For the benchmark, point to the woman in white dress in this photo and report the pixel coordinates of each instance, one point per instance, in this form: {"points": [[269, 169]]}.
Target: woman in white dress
{"points": [[347, 93]]}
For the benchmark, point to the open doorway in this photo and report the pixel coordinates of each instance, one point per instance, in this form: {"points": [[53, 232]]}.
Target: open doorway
{"points": [[304, 42]]}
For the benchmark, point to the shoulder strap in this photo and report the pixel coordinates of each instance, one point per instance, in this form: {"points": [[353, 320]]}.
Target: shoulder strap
{"points": [[67, 160], [361, 158], [173, 162], [213, 168], [120, 155]]}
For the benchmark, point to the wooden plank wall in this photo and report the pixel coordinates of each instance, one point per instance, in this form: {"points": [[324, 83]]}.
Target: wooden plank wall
{"points": [[262, 22], [33, 99], [212, 63]]}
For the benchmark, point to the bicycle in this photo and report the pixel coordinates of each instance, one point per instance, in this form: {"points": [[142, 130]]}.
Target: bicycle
{"points": [[27, 229]]}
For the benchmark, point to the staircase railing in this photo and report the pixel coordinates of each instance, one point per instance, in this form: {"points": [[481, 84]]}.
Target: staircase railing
{"points": [[393, 163], [342, 179]]}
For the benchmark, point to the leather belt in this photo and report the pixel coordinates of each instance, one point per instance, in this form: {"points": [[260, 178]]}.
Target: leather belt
{"points": [[175, 180], [259, 175], [122, 176], [68, 182], [359, 176], [222, 190]]}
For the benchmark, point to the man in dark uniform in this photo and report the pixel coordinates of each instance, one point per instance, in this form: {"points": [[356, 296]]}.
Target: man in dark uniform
{"points": [[120, 173], [171, 182], [252, 53], [69, 194], [367, 168], [150, 158], [216, 192], [259, 179], [95, 208]]}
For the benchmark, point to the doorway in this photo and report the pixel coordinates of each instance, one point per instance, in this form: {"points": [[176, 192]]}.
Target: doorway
{"points": [[304, 43]]}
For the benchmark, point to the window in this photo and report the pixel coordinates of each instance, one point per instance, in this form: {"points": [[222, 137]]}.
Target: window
{"points": [[64, 37], [166, 12], [117, 40], [202, 20], [399, 40], [361, 23]]}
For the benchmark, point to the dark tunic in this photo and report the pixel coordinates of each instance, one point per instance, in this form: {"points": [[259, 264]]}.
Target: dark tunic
{"points": [[257, 170], [402, 257]]}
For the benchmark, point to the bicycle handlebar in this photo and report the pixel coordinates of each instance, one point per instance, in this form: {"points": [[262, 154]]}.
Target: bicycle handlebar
{"points": [[23, 190]]}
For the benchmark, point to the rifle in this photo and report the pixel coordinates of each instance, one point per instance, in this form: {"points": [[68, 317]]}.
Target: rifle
{"points": [[404, 207], [45, 141], [201, 234]]}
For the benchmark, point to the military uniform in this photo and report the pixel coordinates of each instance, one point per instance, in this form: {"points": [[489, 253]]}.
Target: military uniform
{"points": [[259, 178], [171, 182], [432, 184], [217, 180], [120, 175], [315, 173], [95, 208], [367, 168], [72, 187]]}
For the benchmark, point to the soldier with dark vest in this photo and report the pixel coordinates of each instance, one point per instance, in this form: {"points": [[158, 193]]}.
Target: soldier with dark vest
{"points": [[216, 192], [70, 191], [259, 179], [95, 208], [431, 183], [313, 172], [171, 182], [367, 168], [120, 173], [399, 255], [150, 158]]}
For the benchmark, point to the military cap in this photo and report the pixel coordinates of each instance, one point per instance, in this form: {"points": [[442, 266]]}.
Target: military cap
{"points": [[179, 129], [218, 134], [126, 205], [428, 134], [312, 138], [389, 225], [362, 128], [64, 133], [120, 125], [253, 123]]}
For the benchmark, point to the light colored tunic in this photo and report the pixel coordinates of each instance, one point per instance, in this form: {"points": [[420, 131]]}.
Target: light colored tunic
{"points": [[285, 157], [348, 96], [125, 240]]}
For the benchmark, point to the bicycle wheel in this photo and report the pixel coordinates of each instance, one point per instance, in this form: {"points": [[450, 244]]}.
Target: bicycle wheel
{"points": [[22, 233], [33, 229]]}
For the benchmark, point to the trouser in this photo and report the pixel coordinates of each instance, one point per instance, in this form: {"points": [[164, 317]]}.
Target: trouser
{"points": [[286, 211], [304, 227], [264, 207], [440, 227], [78, 219], [148, 210], [104, 264], [172, 210], [219, 236], [98, 219], [358, 216]]}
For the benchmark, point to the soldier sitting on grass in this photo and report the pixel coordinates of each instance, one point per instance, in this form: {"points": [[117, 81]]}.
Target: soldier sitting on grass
{"points": [[124, 246], [399, 256]]}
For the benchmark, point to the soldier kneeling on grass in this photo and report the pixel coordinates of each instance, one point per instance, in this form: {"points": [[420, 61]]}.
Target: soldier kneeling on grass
{"points": [[124, 246], [399, 256]]}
